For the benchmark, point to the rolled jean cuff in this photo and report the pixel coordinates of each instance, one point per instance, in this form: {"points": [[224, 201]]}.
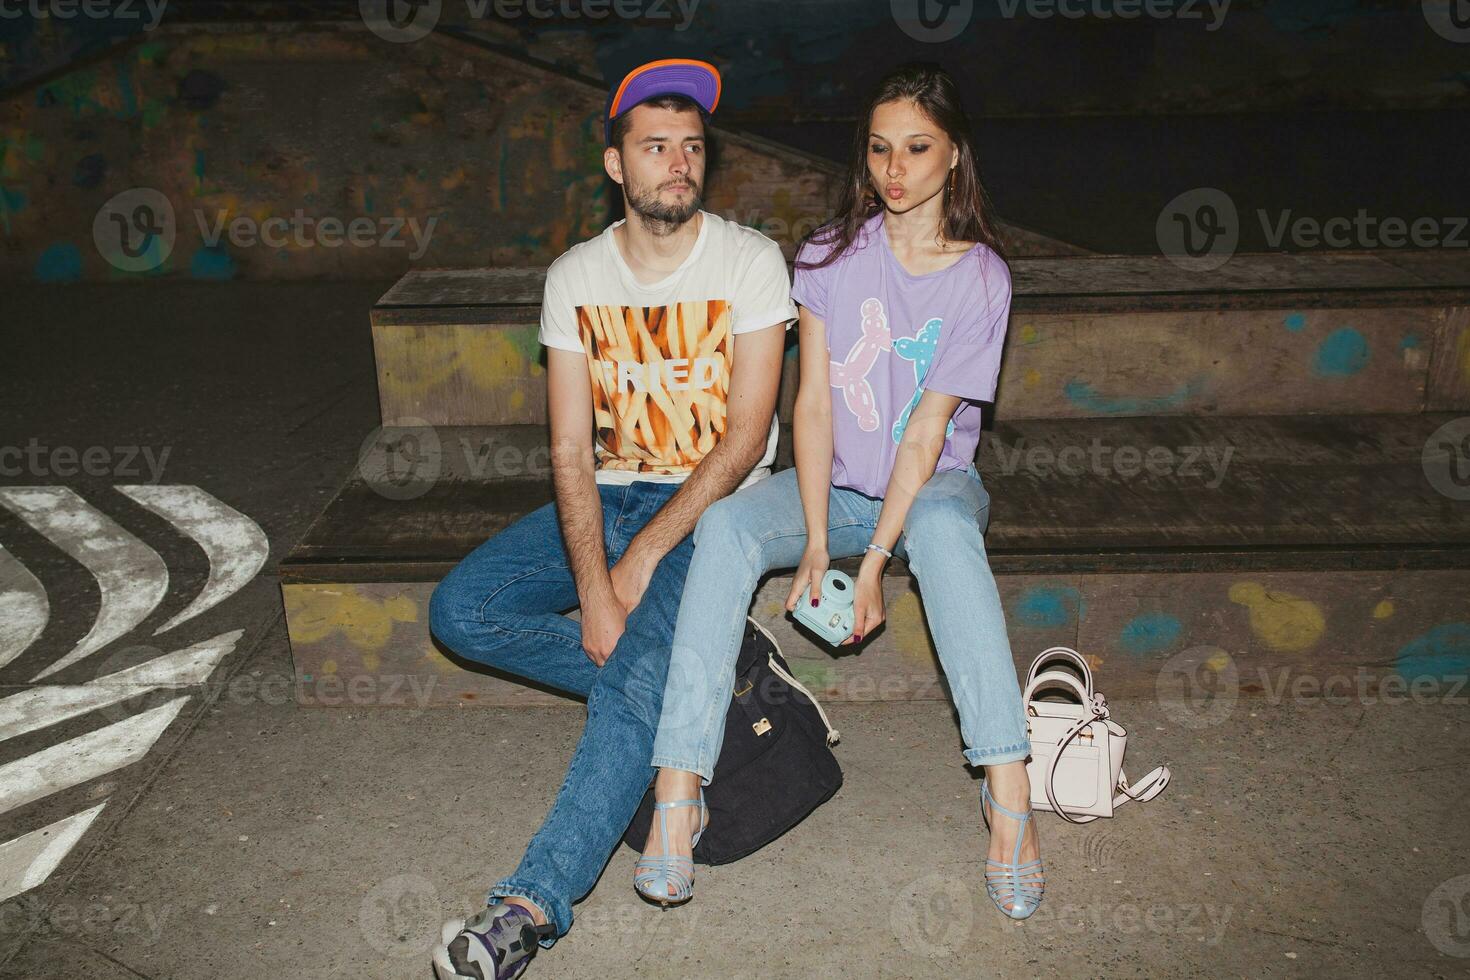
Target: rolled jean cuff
{"points": [[510, 889], [706, 775], [998, 755]]}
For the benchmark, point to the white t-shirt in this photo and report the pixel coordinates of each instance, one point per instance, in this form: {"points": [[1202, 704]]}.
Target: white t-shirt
{"points": [[659, 354]]}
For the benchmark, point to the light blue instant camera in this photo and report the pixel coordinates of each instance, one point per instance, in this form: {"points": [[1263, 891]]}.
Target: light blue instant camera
{"points": [[832, 617]]}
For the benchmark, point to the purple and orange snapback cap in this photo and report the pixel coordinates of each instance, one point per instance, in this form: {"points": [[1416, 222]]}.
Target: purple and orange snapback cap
{"points": [[699, 80]]}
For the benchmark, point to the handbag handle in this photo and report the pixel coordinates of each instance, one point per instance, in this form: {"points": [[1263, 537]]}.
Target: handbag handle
{"points": [[1055, 678], [1066, 654]]}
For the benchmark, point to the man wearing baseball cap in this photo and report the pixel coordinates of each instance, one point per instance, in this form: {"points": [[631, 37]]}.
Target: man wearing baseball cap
{"points": [[664, 337]]}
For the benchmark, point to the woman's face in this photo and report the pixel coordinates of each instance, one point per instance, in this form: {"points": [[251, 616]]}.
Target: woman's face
{"points": [[909, 156]]}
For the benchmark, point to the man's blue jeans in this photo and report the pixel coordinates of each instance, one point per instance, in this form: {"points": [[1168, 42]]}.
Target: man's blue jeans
{"points": [[504, 606]]}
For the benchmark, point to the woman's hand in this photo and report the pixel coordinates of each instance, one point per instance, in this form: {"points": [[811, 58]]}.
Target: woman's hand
{"points": [[867, 602], [813, 567]]}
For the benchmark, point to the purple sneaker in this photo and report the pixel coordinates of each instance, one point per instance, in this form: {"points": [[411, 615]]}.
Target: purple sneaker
{"points": [[496, 944]]}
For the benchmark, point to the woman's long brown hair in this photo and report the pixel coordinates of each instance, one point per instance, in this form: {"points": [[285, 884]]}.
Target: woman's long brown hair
{"points": [[966, 209]]}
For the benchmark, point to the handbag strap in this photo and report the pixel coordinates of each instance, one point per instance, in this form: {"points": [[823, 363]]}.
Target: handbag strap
{"points": [[832, 734], [1051, 768], [1151, 786]]}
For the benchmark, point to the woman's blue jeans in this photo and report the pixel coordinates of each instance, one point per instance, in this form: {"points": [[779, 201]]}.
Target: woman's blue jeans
{"points": [[760, 528]]}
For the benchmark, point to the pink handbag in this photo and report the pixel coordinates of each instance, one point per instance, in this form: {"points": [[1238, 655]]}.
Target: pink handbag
{"points": [[1076, 764]]}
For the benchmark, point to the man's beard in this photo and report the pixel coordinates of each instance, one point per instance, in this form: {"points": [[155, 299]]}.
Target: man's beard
{"points": [[662, 218]]}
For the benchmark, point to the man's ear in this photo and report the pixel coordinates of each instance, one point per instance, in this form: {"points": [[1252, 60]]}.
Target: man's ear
{"points": [[612, 162]]}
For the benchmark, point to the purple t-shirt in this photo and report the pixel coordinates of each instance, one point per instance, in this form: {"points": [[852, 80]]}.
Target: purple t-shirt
{"points": [[891, 335]]}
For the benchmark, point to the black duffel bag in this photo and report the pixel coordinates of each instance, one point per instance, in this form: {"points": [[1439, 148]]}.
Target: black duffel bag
{"points": [[776, 765]]}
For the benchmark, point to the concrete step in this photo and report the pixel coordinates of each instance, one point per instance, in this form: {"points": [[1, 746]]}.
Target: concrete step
{"points": [[1243, 549], [1089, 337]]}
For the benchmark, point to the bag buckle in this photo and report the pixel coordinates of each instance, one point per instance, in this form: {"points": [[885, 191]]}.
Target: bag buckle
{"points": [[742, 693], [761, 727]]}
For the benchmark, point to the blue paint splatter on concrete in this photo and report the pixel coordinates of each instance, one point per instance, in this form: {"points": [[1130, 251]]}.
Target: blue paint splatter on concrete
{"points": [[1410, 342], [1342, 353], [61, 262], [1442, 653], [212, 263], [1049, 605], [1294, 322], [1083, 395], [1150, 633], [11, 202]]}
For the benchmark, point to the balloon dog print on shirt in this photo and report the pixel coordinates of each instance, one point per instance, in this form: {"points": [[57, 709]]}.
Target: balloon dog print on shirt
{"points": [[852, 374], [920, 350]]}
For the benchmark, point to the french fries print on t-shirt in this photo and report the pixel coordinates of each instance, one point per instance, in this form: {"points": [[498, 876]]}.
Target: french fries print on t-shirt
{"points": [[660, 355], [660, 380]]}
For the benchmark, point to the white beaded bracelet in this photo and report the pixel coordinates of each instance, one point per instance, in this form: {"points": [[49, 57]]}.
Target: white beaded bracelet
{"points": [[879, 548]]}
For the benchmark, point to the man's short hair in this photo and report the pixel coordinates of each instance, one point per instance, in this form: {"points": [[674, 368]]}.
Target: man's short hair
{"points": [[674, 101]]}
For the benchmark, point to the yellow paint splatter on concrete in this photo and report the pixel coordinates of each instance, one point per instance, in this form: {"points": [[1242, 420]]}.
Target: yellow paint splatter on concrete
{"points": [[1218, 662], [314, 613], [437, 662], [1383, 610], [485, 357], [1281, 620], [772, 609], [1029, 334], [1031, 378]]}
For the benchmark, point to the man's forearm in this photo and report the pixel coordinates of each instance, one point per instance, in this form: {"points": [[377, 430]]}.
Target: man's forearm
{"points": [[579, 509], [717, 474]]}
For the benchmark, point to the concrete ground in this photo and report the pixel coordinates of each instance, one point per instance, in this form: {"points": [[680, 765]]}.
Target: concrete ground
{"points": [[256, 838]]}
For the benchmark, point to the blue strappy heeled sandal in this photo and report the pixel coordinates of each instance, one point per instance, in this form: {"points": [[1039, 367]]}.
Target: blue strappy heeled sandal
{"points": [[1012, 883], [668, 880]]}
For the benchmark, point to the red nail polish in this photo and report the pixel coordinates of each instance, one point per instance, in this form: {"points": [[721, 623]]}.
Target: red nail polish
{"points": [[814, 602], [857, 638]]}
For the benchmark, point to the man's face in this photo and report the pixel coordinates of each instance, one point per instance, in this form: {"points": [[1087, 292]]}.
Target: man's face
{"points": [[661, 163]]}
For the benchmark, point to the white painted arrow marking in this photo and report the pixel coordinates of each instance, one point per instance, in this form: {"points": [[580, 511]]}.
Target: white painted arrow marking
{"points": [[29, 860], [236, 546], [132, 577], [41, 707], [24, 608], [85, 757]]}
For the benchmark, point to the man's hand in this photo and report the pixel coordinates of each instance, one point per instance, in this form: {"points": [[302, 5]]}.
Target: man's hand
{"points": [[603, 622], [630, 577]]}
